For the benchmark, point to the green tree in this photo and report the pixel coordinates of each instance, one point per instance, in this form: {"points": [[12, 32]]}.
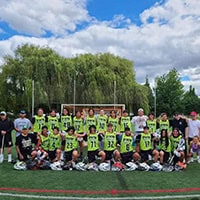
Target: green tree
{"points": [[169, 93]]}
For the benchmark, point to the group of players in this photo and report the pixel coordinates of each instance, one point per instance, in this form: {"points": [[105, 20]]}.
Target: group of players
{"points": [[105, 138]]}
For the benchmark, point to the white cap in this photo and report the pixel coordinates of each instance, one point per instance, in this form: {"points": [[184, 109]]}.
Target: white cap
{"points": [[140, 110], [2, 113]]}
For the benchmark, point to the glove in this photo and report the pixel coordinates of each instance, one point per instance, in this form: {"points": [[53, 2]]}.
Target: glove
{"points": [[176, 153]]}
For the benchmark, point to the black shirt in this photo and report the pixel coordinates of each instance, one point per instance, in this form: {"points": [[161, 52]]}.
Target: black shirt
{"points": [[181, 124]]}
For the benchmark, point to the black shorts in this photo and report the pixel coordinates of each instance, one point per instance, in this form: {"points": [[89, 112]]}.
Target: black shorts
{"points": [[68, 155], [7, 140], [52, 154], [92, 155], [127, 157], [26, 154], [145, 155], [109, 154]]}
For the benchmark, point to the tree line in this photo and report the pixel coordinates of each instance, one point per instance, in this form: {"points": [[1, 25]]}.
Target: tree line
{"points": [[95, 79]]}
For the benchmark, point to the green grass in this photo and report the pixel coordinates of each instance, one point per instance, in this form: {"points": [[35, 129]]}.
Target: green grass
{"points": [[74, 180]]}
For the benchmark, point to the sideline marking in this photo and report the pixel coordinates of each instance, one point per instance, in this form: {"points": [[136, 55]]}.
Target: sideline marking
{"points": [[100, 192], [97, 198]]}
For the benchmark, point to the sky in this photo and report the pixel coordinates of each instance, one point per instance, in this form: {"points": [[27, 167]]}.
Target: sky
{"points": [[157, 35]]}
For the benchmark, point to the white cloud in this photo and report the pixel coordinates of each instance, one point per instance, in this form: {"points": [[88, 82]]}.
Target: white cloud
{"points": [[169, 36], [36, 17]]}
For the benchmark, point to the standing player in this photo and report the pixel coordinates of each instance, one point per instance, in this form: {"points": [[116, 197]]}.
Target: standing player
{"points": [[139, 122], [151, 123], [52, 120], [79, 131], [164, 122], [6, 127], [38, 121], [90, 120], [114, 120], [25, 143], [102, 122], [22, 121], [55, 145], [125, 121], [65, 119], [145, 146]]}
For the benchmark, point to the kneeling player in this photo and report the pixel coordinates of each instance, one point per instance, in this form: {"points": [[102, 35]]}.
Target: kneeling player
{"points": [[126, 146], [144, 146], [93, 145], [55, 145], [70, 145], [24, 145], [110, 144]]}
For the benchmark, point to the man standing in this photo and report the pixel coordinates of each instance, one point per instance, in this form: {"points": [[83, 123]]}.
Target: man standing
{"points": [[22, 121], [6, 127]]}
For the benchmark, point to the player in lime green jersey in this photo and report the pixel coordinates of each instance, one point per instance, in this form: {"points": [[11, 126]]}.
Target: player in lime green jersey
{"points": [[102, 122], [164, 146], [70, 145], [65, 119], [145, 146], [90, 120], [110, 144], [125, 121], [164, 123], [126, 145], [151, 123], [93, 145], [114, 120], [79, 131], [38, 121], [52, 120], [55, 140]]}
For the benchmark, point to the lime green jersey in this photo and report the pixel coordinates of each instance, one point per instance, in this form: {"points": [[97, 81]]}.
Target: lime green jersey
{"points": [[115, 123], [90, 121], [174, 142], [165, 125], [101, 123], [145, 141], [162, 145], [126, 144], [152, 125], [52, 122], [70, 142], [44, 142], [110, 141], [93, 142], [39, 123], [78, 125], [54, 141], [124, 123], [66, 122]]}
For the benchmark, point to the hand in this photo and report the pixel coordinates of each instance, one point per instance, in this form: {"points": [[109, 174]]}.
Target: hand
{"points": [[21, 157], [3, 132]]}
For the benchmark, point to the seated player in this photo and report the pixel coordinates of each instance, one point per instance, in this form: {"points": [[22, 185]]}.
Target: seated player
{"points": [[177, 146], [144, 146], [70, 145], [126, 146], [43, 144], [55, 145], [93, 145], [164, 146], [25, 144], [194, 149], [110, 144]]}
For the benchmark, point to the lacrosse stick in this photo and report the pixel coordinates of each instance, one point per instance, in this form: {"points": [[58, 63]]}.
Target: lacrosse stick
{"points": [[2, 147]]}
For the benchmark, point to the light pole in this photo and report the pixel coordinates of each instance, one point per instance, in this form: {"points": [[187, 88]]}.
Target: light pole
{"points": [[74, 108], [33, 96], [114, 94], [155, 98]]}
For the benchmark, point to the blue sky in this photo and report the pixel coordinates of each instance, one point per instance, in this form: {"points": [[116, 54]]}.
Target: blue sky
{"points": [[157, 35]]}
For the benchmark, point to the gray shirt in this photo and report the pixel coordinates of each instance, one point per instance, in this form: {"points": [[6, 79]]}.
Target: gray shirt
{"points": [[19, 123]]}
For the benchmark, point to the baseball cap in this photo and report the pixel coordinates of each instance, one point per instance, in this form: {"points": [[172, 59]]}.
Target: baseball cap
{"points": [[193, 113], [2, 113], [25, 127], [22, 112], [140, 110]]}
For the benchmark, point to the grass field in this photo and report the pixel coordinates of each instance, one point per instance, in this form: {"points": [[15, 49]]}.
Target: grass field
{"points": [[47, 184]]}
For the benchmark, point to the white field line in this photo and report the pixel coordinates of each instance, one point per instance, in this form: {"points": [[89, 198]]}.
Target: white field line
{"points": [[98, 198]]}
